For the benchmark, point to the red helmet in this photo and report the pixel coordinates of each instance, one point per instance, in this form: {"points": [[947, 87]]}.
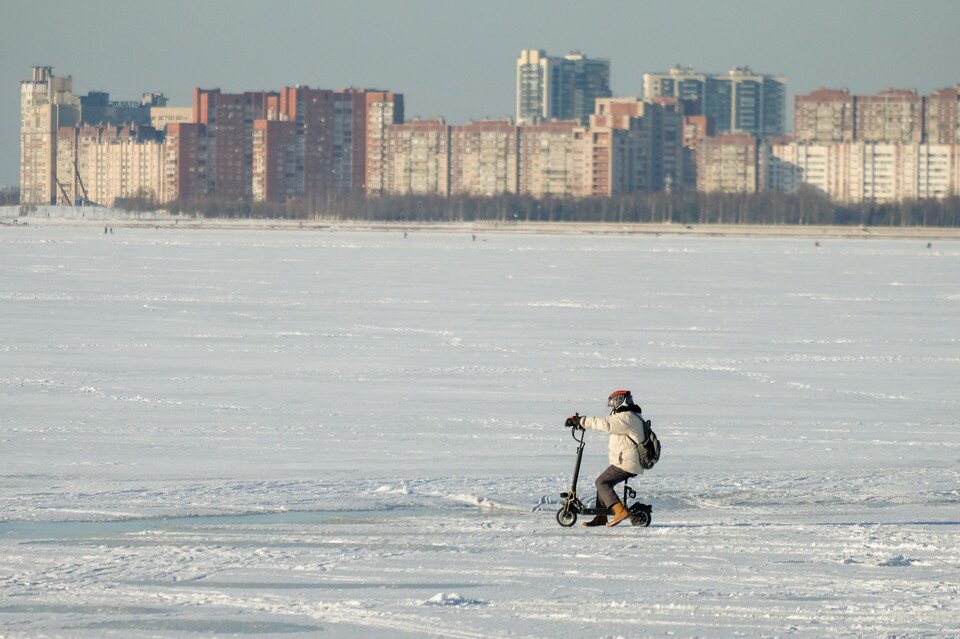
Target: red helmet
{"points": [[619, 398]]}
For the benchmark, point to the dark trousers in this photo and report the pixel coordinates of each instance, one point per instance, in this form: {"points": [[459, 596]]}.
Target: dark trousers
{"points": [[609, 478]]}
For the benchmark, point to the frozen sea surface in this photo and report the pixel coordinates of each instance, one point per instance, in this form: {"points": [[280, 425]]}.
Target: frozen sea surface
{"points": [[283, 433]]}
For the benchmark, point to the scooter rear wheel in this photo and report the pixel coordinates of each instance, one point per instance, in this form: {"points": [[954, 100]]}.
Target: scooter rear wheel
{"points": [[566, 517], [641, 518]]}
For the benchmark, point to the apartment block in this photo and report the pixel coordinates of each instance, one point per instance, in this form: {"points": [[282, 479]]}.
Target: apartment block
{"points": [[331, 129], [794, 166], [893, 115], [731, 163], [610, 157], [622, 151], [696, 128], [825, 115], [383, 109], [314, 113], [184, 159], [47, 103], [551, 160], [484, 158], [942, 117], [740, 101], [106, 163], [617, 113], [654, 138], [428, 157], [276, 157], [228, 130], [335, 141], [418, 158], [937, 173], [559, 88], [341, 136], [339, 141], [47, 107], [856, 172]]}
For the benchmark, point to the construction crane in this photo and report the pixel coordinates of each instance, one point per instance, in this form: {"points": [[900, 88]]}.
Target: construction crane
{"points": [[86, 199], [66, 198]]}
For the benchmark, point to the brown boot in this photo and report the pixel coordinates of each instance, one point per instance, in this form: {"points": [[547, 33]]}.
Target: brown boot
{"points": [[619, 514], [599, 520]]}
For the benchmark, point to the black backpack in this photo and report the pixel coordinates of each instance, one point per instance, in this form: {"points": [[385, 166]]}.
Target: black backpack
{"points": [[649, 450]]}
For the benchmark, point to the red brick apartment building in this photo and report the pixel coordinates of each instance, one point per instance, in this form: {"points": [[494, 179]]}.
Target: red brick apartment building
{"points": [[298, 142], [228, 131]]}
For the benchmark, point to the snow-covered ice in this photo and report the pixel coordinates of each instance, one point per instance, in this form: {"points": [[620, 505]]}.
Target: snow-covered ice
{"points": [[335, 434]]}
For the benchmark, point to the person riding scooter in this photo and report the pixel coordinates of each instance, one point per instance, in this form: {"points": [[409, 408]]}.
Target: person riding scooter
{"points": [[625, 426]]}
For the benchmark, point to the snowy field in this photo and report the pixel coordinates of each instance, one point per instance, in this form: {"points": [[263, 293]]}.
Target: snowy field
{"points": [[313, 434]]}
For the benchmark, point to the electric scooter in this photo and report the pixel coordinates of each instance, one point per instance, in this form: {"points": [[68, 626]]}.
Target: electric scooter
{"points": [[640, 514]]}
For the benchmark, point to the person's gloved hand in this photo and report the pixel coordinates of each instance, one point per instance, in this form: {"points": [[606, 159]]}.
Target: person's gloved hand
{"points": [[574, 422]]}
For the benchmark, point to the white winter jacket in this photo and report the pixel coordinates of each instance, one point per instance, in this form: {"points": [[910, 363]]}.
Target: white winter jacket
{"points": [[622, 427]]}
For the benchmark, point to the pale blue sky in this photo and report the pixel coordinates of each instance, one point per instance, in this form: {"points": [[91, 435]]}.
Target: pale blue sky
{"points": [[456, 58]]}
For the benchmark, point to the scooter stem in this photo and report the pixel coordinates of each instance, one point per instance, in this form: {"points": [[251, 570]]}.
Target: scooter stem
{"points": [[576, 468]]}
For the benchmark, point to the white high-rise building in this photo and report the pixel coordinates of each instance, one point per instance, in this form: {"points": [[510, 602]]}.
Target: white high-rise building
{"points": [[554, 88], [739, 101], [46, 104]]}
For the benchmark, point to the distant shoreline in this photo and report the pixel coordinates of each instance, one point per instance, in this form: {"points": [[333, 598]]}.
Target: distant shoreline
{"points": [[488, 227]]}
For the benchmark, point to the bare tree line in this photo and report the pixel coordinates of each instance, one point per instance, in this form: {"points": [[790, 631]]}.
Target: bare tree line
{"points": [[807, 208], [9, 196]]}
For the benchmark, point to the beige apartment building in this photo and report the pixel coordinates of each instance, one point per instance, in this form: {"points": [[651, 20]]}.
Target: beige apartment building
{"points": [[296, 143], [104, 164], [941, 118], [888, 147], [46, 104], [731, 163], [621, 152], [893, 116], [428, 157], [863, 172], [825, 115], [383, 109], [893, 146], [51, 114], [484, 158], [417, 158], [551, 160]]}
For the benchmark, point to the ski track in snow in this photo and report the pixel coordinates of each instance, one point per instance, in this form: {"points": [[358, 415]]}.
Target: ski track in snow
{"points": [[358, 434]]}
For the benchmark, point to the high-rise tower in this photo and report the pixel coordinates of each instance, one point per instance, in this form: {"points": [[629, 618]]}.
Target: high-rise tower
{"points": [[552, 88], [46, 103], [740, 101]]}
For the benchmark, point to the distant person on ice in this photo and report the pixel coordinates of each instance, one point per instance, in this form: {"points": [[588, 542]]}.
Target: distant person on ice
{"points": [[625, 426]]}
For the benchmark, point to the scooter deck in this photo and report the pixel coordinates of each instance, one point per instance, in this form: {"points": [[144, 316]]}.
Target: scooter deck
{"points": [[636, 507]]}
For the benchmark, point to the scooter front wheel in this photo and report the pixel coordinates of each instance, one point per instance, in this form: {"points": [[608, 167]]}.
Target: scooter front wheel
{"points": [[566, 517]]}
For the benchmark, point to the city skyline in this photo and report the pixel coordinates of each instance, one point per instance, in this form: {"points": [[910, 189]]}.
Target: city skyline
{"points": [[303, 144], [443, 69]]}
